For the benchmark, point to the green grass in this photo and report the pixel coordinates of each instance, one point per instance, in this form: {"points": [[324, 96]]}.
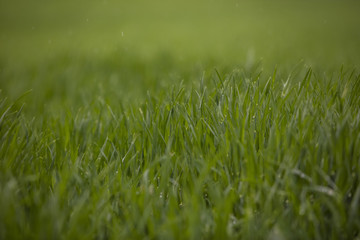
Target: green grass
{"points": [[187, 134], [233, 155]]}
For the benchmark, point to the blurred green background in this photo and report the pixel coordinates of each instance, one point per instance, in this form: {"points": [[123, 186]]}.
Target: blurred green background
{"points": [[227, 32]]}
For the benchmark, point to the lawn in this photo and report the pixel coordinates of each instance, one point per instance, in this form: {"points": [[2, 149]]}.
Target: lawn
{"points": [[179, 120]]}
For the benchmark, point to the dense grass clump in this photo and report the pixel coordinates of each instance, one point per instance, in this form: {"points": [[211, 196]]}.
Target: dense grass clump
{"points": [[236, 154]]}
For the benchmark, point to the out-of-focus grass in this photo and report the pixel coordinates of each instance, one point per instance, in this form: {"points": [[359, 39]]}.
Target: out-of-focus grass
{"points": [[228, 31]]}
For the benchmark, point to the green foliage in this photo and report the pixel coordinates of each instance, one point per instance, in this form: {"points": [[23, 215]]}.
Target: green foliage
{"points": [[179, 119], [240, 154]]}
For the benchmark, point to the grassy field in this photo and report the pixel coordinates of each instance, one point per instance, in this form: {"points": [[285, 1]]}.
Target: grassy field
{"points": [[179, 120]]}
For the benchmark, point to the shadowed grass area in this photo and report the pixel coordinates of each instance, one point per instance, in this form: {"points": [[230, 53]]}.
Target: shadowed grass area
{"points": [[169, 120]]}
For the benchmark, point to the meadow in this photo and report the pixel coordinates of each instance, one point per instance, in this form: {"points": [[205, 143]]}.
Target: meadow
{"points": [[179, 120]]}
